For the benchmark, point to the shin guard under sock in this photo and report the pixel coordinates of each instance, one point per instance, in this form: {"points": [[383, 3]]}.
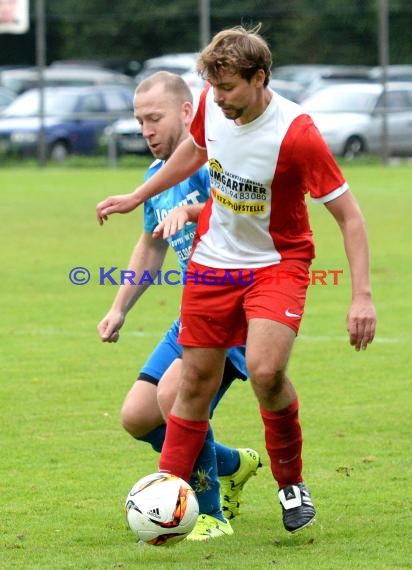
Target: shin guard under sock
{"points": [[183, 441], [283, 437]]}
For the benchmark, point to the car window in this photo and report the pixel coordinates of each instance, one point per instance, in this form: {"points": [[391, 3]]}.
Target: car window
{"points": [[18, 85], [117, 101], [5, 99], [65, 82], [396, 100], [27, 104], [91, 103]]}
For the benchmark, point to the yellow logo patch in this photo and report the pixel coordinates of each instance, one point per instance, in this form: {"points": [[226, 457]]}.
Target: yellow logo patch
{"points": [[239, 207], [215, 165]]}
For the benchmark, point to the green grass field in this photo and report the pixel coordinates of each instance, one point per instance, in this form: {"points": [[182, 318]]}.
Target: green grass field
{"points": [[66, 464]]}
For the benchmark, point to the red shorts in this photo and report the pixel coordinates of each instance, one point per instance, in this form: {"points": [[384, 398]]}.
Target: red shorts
{"points": [[218, 303]]}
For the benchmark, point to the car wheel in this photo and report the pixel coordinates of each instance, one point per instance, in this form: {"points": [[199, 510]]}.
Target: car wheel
{"points": [[59, 151], [354, 146]]}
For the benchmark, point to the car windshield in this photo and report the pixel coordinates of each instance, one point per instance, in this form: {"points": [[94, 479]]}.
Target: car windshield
{"points": [[341, 101], [55, 104]]}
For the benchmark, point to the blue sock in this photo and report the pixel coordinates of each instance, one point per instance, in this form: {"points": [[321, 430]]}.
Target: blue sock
{"points": [[205, 480], [155, 437], [227, 458]]}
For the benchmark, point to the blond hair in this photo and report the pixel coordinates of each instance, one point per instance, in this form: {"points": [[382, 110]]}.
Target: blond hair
{"points": [[238, 51]]}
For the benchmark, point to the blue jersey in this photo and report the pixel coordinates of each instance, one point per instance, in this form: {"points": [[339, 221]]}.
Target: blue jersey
{"points": [[193, 190]]}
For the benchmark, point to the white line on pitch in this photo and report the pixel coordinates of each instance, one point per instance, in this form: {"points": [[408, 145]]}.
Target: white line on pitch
{"points": [[141, 334]]}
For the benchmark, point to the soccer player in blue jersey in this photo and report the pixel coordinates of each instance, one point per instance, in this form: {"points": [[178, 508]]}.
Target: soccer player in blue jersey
{"points": [[163, 107]]}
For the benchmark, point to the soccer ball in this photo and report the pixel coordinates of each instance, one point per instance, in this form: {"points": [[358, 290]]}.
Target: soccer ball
{"points": [[161, 509]]}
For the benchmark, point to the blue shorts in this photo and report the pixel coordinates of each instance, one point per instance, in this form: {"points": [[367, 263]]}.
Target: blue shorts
{"points": [[168, 350]]}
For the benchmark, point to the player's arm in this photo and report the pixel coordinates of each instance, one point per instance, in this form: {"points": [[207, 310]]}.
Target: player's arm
{"points": [[185, 160], [176, 219], [361, 318], [147, 257]]}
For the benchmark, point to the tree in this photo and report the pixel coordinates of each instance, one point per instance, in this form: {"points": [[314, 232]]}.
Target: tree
{"points": [[299, 31]]}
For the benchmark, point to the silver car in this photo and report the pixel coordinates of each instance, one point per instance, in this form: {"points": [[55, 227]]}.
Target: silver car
{"points": [[350, 117]]}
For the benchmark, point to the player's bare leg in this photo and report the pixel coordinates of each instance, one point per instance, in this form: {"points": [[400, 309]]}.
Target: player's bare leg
{"points": [[269, 345], [140, 412]]}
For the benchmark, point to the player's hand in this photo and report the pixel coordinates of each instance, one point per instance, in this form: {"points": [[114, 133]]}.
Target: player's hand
{"points": [[109, 326], [172, 223], [361, 323], [121, 204]]}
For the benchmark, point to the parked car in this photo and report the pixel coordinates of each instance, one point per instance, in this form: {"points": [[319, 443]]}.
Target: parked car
{"points": [[6, 97], [347, 74], [74, 119], [183, 64], [350, 117], [301, 73], [309, 78], [20, 80]]}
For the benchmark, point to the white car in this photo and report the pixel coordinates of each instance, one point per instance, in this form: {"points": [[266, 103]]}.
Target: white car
{"points": [[350, 117]]}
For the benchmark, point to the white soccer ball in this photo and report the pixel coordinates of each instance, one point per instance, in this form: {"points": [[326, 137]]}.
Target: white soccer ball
{"points": [[161, 509]]}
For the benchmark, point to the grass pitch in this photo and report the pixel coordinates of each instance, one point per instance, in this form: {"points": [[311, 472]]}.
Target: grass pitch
{"points": [[66, 465]]}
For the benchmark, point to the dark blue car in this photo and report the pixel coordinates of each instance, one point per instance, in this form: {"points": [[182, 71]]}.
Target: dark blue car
{"points": [[74, 118]]}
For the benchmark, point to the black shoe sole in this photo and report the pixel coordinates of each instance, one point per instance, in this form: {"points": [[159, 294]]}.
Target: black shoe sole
{"points": [[310, 523]]}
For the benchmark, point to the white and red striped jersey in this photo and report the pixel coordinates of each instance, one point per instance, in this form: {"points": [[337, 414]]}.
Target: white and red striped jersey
{"points": [[260, 172]]}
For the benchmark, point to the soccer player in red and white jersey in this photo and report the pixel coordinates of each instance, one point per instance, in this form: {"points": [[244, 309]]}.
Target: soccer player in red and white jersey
{"points": [[264, 155]]}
